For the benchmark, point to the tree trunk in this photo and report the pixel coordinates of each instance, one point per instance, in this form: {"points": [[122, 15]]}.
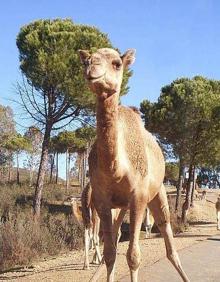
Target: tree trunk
{"points": [[41, 172], [193, 188], [18, 171], [180, 185], [9, 171], [81, 170], [85, 153], [69, 158], [186, 204], [78, 163], [57, 167], [31, 175], [67, 170], [51, 168]]}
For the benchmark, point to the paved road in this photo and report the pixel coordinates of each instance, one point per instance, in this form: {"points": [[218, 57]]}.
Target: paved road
{"points": [[201, 263]]}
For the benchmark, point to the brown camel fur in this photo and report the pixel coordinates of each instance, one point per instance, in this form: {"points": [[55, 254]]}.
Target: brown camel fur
{"points": [[126, 164]]}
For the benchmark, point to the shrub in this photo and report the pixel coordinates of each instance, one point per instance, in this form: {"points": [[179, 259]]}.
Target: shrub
{"points": [[21, 240]]}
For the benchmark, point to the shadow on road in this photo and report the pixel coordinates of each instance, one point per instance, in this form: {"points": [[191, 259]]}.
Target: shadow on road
{"points": [[213, 239]]}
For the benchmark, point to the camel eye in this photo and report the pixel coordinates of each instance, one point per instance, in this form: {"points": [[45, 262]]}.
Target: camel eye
{"points": [[117, 64]]}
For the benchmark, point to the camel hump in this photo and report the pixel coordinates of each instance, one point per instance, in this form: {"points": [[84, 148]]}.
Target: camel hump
{"points": [[135, 109], [86, 205]]}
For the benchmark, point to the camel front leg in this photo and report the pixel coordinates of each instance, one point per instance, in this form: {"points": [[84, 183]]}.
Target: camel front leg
{"points": [[160, 210], [137, 209], [116, 220], [109, 244]]}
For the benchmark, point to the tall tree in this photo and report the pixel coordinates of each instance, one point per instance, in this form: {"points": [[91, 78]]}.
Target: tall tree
{"points": [[185, 116], [54, 91]]}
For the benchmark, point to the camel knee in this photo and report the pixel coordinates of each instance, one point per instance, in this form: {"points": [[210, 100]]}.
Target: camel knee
{"points": [[133, 258], [173, 257]]}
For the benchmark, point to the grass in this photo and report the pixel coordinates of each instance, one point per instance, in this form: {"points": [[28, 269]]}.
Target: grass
{"points": [[21, 240]]}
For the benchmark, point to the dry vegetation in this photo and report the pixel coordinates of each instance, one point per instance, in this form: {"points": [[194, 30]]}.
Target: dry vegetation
{"points": [[22, 243], [21, 240]]}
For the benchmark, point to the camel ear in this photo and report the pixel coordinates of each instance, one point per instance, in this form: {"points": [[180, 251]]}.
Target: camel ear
{"points": [[128, 58], [84, 55]]}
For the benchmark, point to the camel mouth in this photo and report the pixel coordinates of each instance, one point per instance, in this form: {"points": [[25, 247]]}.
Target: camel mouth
{"points": [[94, 79]]}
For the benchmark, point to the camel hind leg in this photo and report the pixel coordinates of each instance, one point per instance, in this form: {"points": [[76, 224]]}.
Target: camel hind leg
{"points": [[160, 210]]}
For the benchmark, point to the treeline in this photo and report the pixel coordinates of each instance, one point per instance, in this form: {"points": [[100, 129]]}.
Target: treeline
{"points": [[186, 121], [75, 144]]}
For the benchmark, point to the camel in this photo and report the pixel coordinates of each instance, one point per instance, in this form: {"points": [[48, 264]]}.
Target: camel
{"points": [[88, 216], [203, 196], [91, 222], [126, 165], [148, 223], [217, 206]]}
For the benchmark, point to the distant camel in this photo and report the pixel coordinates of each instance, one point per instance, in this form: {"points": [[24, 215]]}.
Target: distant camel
{"points": [[126, 164], [148, 223], [88, 216], [203, 196], [91, 223], [217, 206]]}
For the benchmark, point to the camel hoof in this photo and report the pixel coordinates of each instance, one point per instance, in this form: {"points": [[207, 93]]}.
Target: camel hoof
{"points": [[86, 267]]}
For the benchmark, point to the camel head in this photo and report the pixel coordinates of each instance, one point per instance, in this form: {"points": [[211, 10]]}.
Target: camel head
{"points": [[104, 69]]}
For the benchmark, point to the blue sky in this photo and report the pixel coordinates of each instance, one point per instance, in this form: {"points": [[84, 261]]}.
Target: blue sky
{"points": [[172, 38]]}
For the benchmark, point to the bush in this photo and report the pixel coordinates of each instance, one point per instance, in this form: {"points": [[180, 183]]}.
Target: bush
{"points": [[21, 240]]}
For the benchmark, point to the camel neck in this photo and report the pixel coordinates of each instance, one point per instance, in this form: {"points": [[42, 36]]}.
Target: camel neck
{"points": [[107, 133]]}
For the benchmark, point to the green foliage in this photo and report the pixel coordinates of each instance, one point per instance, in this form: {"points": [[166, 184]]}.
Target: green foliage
{"points": [[7, 129], [172, 171], [87, 133], [17, 143], [49, 57], [34, 137], [185, 116], [67, 140], [7, 126]]}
